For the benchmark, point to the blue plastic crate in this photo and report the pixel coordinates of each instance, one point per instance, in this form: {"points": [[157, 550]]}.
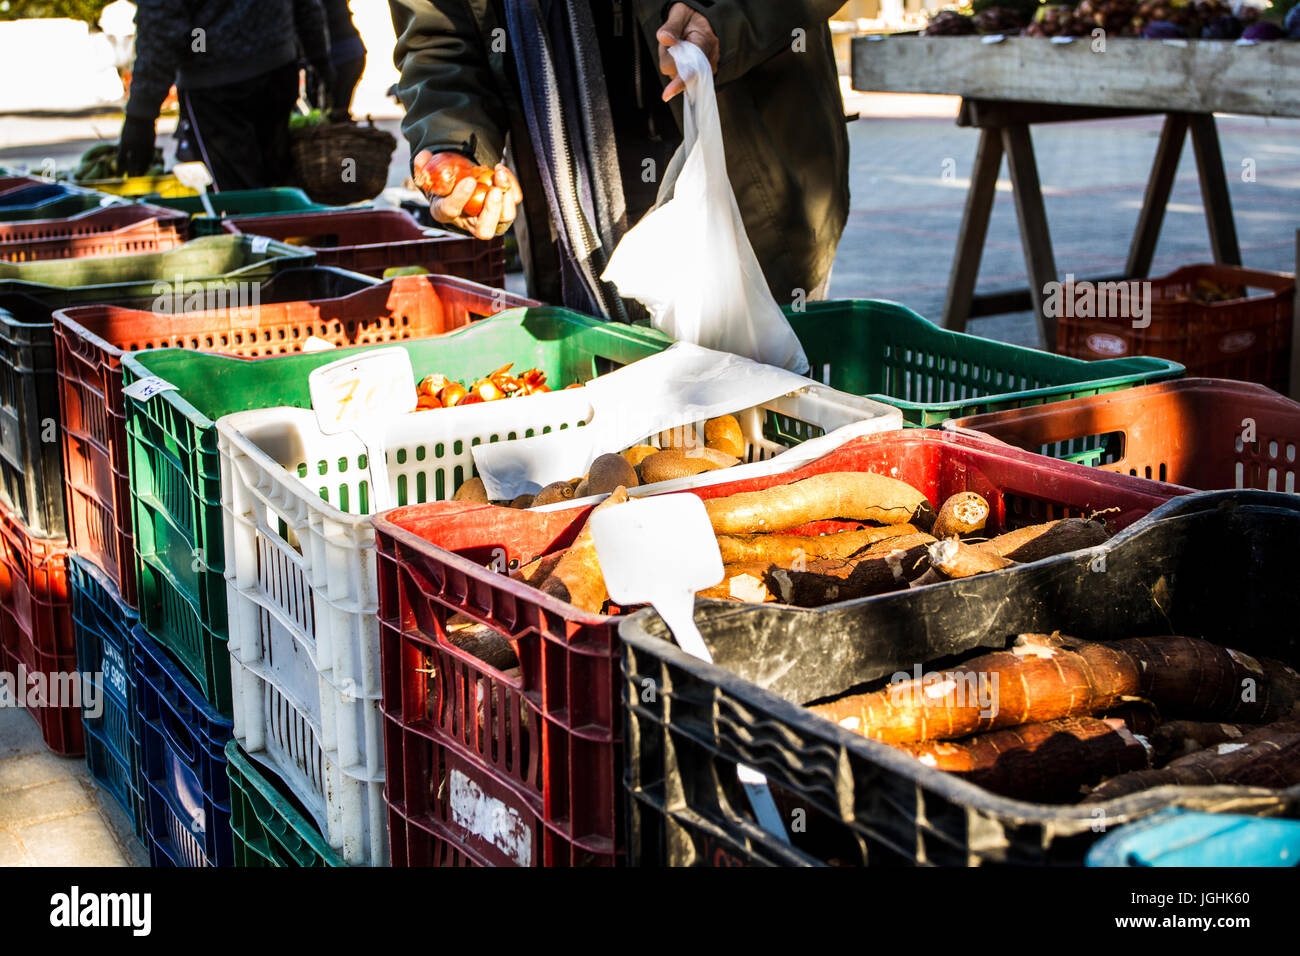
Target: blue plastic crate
{"points": [[183, 763], [1177, 837], [102, 622]]}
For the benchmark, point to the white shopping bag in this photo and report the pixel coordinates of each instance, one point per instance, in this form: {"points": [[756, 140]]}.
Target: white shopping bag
{"points": [[689, 260]]}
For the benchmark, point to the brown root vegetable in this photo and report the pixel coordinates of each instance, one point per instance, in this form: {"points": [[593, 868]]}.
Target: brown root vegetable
{"points": [[554, 493], [953, 559], [683, 463], [1190, 678], [486, 644], [1266, 757], [1040, 678], [472, 490], [576, 577], [1140, 716], [848, 495], [639, 453], [608, 472], [741, 582], [523, 501], [1178, 738], [1045, 540], [963, 513], [914, 543], [723, 434], [784, 548], [827, 580], [539, 569], [1049, 761]]}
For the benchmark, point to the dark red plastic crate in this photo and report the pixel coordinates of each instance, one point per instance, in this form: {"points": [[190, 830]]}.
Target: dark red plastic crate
{"points": [[373, 240], [551, 733], [90, 340], [113, 230], [36, 629]]}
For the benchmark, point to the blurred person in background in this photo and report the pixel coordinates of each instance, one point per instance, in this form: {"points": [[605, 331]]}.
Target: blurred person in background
{"points": [[595, 82], [235, 66], [347, 57]]}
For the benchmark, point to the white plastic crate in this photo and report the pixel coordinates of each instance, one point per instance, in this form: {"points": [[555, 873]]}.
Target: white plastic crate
{"points": [[301, 577]]}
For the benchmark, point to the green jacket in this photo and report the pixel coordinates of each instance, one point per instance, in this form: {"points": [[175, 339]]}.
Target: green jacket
{"points": [[778, 97]]}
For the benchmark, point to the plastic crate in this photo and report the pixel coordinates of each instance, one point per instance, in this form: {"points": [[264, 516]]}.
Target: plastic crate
{"points": [[36, 633], [560, 788], [31, 480], [1177, 837], [1246, 338], [300, 567], [90, 340], [1188, 432], [112, 230], [239, 202], [183, 764], [887, 352], [10, 183], [268, 829], [55, 201], [176, 470], [373, 240], [102, 622], [1214, 565], [165, 185]]}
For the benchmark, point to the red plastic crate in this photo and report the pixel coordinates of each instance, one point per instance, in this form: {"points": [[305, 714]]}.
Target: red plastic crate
{"points": [[1188, 432], [372, 240], [36, 629], [19, 182], [89, 342], [113, 230], [548, 743], [1246, 338]]}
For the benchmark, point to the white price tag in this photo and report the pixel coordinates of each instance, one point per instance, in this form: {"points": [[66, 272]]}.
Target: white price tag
{"points": [[314, 343], [993, 38], [146, 388], [260, 244], [366, 389]]}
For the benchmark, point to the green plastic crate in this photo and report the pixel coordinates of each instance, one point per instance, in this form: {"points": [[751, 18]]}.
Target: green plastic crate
{"points": [[175, 468], [239, 202], [269, 829], [146, 276], [887, 352]]}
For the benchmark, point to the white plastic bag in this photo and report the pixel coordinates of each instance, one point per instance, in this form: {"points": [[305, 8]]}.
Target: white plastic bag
{"points": [[689, 260]]}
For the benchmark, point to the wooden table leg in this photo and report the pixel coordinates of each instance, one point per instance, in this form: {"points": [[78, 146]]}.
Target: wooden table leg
{"points": [[1034, 234], [974, 230], [1214, 189], [1295, 330], [1159, 186]]}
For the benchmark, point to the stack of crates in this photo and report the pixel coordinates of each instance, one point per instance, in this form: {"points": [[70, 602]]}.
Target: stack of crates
{"points": [[143, 506]]}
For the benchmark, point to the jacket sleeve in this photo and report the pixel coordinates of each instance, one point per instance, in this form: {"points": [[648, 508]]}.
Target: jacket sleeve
{"points": [[448, 87], [309, 24], [752, 31], [162, 39]]}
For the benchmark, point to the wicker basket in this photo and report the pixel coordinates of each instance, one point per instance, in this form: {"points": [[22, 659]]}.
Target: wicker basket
{"points": [[320, 155]]}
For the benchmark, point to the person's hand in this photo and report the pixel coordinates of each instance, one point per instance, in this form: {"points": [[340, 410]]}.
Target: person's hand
{"points": [[324, 72], [483, 210], [684, 25], [135, 147]]}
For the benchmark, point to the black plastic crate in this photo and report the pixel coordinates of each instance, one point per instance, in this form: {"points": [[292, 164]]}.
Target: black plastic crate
{"points": [[1216, 565], [102, 622], [31, 460]]}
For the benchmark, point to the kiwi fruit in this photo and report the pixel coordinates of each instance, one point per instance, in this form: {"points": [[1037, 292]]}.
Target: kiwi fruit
{"points": [[523, 501], [554, 493], [608, 472], [473, 491], [675, 463], [723, 434], [580, 490]]}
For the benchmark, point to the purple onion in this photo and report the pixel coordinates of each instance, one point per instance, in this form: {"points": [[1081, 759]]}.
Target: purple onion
{"points": [[1263, 30], [1163, 30]]}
